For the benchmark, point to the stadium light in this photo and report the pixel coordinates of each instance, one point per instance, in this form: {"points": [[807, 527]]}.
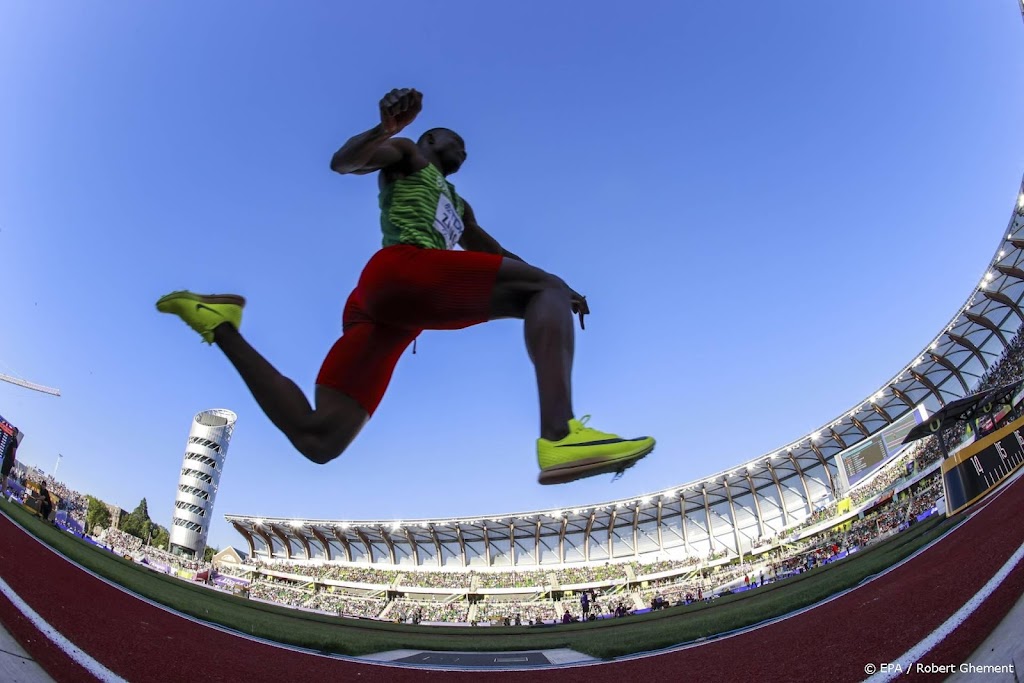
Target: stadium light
{"points": [[816, 436], [1020, 204], [258, 522], [296, 524]]}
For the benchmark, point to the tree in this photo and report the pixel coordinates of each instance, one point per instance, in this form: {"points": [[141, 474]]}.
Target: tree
{"points": [[209, 553], [161, 537], [138, 522], [96, 515]]}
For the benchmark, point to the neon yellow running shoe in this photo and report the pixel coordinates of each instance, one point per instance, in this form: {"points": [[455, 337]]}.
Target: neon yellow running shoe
{"points": [[203, 312], [586, 452]]}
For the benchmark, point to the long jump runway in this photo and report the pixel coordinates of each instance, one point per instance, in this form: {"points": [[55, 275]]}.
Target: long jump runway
{"points": [[935, 608]]}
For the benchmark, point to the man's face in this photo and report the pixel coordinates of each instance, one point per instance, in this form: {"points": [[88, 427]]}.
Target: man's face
{"points": [[450, 150]]}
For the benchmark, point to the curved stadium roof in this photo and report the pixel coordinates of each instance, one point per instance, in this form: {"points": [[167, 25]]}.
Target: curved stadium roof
{"points": [[724, 511]]}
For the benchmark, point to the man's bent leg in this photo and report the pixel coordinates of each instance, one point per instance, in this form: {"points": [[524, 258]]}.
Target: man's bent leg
{"points": [[542, 301], [320, 434], [568, 449]]}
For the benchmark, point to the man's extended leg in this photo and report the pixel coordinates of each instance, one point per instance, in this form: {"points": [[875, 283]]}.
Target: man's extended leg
{"points": [[320, 434]]}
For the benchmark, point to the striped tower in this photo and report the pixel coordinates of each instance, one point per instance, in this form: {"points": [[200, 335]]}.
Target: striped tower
{"points": [[205, 453]]}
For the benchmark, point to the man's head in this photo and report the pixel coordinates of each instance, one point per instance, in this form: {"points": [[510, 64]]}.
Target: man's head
{"points": [[445, 147]]}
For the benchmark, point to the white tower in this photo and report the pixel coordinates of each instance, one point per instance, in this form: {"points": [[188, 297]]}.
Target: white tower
{"points": [[200, 476]]}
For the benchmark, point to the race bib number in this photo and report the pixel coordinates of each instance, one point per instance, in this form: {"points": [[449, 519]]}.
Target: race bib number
{"points": [[448, 223]]}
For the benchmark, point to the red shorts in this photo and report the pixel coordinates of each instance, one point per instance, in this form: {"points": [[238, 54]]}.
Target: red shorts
{"points": [[402, 291]]}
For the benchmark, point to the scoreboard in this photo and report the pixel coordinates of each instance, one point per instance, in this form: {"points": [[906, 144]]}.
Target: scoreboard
{"points": [[862, 459], [973, 471], [9, 439]]}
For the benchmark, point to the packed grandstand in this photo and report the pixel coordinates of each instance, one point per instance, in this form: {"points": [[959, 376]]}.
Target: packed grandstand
{"points": [[761, 522]]}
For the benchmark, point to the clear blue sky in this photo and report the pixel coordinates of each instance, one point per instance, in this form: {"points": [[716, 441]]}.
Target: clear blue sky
{"points": [[770, 206]]}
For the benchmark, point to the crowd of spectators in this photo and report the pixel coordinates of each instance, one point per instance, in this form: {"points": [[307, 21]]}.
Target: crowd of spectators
{"points": [[346, 605], [647, 568], [513, 579], [568, 576], [452, 580], [527, 613], [66, 498], [131, 546], [413, 611], [332, 572], [281, 593]]}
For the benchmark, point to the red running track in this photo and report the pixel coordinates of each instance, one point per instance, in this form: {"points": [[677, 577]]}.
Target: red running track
{"points": [[875, 623]]}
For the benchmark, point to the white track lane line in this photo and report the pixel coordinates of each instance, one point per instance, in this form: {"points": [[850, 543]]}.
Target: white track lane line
{"points": [[905, 661], [88, 663]]}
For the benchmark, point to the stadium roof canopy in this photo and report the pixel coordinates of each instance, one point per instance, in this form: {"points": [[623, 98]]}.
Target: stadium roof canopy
{"points": [[725, 511]]}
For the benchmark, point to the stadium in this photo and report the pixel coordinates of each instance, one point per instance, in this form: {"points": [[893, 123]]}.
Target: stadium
{"points": [[709, 536], [884, 542]]}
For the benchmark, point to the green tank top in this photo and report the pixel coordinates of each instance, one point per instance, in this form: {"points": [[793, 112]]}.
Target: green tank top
{"points": [[421, 209]]}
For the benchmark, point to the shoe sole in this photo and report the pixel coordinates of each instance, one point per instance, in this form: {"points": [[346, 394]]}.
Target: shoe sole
{"points": [[204, 298], [590, 467]]}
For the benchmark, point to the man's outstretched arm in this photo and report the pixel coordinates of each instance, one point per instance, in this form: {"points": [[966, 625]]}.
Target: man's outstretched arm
{"points": [[475, 238], [377, 148]]}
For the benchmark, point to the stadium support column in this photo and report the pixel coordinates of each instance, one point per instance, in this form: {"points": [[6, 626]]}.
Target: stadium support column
{"points": [[437, 545], [328, 555], [824, 466], [343, 540], [636, 518], [683, 520], [757, 505], [462, 544], [661, 542], [247, 536], [561, 538], [782, 498], [803, 482], [387, 541], [611, 531], [586, 537], [415, 547], [266, 539], [707, 517], [284, 540], [366, 543], [735, 523]]}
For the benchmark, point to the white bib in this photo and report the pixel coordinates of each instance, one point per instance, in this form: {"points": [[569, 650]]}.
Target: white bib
{"points": [[447, 222]]}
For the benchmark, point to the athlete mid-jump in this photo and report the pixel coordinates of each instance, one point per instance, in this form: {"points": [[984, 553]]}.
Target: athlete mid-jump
{"points": [[419, 281]]}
